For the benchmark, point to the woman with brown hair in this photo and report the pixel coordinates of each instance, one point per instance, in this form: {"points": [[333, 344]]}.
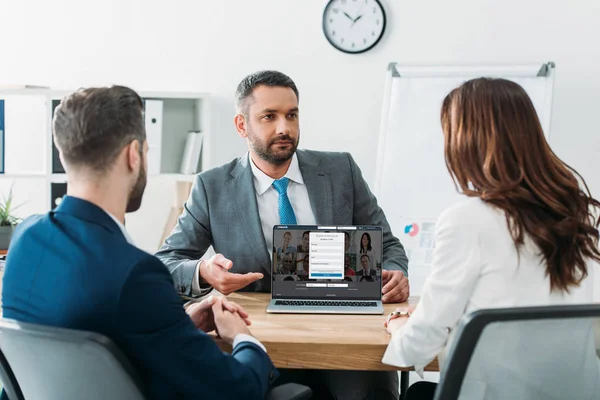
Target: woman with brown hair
{"points": [[527, 235]]}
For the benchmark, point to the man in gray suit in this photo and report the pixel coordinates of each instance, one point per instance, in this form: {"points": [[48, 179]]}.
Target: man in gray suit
{"points": [[234, 207]]}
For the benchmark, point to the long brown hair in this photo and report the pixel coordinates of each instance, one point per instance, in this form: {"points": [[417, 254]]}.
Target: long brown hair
{"points": [[495, 149]]}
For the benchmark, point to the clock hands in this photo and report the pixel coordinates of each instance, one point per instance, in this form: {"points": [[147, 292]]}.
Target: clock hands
{"points": [[357, 18], [354, 19]]}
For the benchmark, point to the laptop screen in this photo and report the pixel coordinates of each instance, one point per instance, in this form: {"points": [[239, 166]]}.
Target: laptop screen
{"points": [[320, 262]]}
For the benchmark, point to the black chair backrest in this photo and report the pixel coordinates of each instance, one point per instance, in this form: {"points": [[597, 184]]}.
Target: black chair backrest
{"points": [[9, 381], [56, 363], [547, 339]]}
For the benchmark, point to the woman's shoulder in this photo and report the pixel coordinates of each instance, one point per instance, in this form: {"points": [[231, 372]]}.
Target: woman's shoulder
{"points": [[470, 212]]}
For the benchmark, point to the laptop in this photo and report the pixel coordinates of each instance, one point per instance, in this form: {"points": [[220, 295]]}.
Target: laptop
{"points": [[326, 270]]}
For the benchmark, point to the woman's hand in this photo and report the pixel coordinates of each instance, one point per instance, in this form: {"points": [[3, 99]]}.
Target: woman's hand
{"points": [[398, 318]]}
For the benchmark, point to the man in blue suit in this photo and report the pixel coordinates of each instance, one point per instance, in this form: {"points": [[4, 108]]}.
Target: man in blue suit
{"points": [[76, 267]]}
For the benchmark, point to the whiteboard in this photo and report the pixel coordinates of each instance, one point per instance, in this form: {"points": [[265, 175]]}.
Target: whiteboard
{"points": [[412, 182]]}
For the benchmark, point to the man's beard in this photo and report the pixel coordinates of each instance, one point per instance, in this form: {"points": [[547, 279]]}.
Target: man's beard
{"points": [[137, 192], [265, 152]]}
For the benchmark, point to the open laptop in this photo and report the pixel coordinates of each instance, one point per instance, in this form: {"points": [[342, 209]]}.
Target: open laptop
{"points": [[324, 269]]}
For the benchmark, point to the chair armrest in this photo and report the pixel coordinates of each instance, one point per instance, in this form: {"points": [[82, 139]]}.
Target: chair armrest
{"points": [[289, 391]]}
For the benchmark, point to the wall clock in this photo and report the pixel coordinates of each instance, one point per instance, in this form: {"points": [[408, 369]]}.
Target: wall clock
{"points": [[354, 26]]}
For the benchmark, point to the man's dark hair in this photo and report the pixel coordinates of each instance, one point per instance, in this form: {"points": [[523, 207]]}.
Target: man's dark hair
{"points": [[243, 94], [306, 233], [91, 126]]}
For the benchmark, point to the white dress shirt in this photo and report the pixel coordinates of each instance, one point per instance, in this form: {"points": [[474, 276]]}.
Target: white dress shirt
{"points": [[239, 338], [268, 199], [122, 228], [475, 266], [268, 208]]}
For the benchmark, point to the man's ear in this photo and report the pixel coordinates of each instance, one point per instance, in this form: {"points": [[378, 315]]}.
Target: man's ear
{"points": [[240, 124], [133, 155]]}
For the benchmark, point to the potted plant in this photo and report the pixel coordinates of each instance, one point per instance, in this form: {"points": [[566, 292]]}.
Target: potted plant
{"points": [[7, 220]]}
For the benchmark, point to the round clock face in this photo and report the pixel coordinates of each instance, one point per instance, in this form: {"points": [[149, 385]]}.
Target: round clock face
{"points": [[353, 26]]}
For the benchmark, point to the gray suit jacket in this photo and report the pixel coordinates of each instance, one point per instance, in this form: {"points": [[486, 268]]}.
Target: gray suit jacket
{"points": [[222, 211]]}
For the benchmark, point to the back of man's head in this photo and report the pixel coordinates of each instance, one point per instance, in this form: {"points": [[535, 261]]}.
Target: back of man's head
{"points": [[91, 126]]}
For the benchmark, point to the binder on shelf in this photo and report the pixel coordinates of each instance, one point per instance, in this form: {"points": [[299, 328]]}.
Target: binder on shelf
{"points": [[153, 119], [57, 167], [191, 153], [1, 136]]}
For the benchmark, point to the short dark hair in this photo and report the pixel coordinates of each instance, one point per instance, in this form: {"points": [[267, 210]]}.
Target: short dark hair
{"points": [[91, 126], [266, 78]]}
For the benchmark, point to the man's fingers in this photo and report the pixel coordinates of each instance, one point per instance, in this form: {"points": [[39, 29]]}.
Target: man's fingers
{"points": [[235, 308], [239, 309], [405, 293], [402, 277], [403, 281], [230, 282], [385, 274], [240, 280], [402, 295], [229, 305], [253, 277], [201, 307], [206, 303], [391, 295], [217, 308], [221, 261], [405, 285], [392, 283]]}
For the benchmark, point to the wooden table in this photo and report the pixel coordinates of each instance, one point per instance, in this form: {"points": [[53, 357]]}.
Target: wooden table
{"points": [[312, 341]]}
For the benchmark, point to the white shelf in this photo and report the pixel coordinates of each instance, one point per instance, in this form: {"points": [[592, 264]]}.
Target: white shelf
{"points": [[58, 177], [182, 112], [176, 177], [23, 90], [173, 95], [21, 176]]}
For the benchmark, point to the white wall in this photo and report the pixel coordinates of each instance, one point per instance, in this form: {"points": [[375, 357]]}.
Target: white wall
{"points": [[208, 46]]}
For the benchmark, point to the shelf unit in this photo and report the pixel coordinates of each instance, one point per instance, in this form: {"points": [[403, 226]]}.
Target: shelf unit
{"points": [[32, 165]]}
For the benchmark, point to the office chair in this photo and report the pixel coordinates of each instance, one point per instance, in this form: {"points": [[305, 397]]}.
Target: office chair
{"points": [[10, 386], [550, 350], [57, 363]]}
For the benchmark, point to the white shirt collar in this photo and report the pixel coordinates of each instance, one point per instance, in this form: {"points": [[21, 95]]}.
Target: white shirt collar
{"points": [[121, 227], [262, 181]]}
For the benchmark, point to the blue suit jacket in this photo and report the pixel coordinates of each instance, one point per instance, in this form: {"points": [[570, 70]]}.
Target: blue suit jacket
{"points": [[73, 268]]}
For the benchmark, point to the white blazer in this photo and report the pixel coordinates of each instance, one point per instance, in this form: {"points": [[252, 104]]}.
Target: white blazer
{"points": [[476, 266]]}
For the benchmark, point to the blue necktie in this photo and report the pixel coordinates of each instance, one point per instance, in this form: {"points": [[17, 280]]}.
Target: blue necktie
{"points": [[286, 212]]}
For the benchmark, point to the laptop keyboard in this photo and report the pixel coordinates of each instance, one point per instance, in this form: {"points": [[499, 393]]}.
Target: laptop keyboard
{"points": [[325, 303]]}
